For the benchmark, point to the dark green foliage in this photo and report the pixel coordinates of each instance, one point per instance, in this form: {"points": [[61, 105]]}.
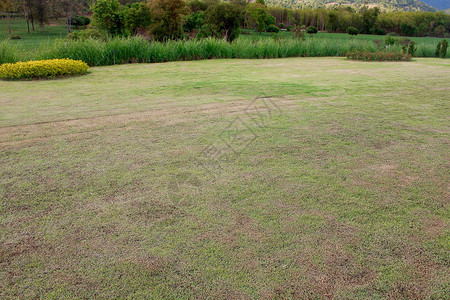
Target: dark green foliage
{"points": [[194, 21], [312, 30], [389, 40], [443, 51], [352, 30], [168, 18], [397, 41], [378, 56], [258, 17], [137, 15], [440, 31], [197, 5], [408, 30], [224, 19], [273, 28], [437, 53], [369, 17], [378, 31], [109, 16], [79, 21], [411, 48], [281, 25]]}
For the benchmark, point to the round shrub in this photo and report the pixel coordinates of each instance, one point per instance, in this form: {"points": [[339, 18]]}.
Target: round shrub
{"points": [[311, 30], [78, 21], [272, 28], [352, 30], [43, 69]]}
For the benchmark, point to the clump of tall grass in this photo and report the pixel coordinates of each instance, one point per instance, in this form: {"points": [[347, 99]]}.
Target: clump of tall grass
{"points": [[138, 50], [7, 52]]}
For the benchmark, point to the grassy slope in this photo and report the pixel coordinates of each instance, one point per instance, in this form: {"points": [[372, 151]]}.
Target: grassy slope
{"points": [[343, 193]]}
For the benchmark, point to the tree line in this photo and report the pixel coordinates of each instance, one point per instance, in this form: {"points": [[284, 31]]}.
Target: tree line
{"points": [[367, 20], [173, 19]]}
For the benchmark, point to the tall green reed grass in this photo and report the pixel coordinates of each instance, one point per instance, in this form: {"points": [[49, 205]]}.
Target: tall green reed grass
{"points": [[8, 52], [139, 50]]}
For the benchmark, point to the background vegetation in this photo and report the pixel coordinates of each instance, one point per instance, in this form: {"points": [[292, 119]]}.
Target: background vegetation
{"points": [[167, 19]]}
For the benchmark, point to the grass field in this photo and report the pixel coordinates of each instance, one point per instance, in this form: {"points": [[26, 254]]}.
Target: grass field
{"points": [[35, 39], [225, 179]]}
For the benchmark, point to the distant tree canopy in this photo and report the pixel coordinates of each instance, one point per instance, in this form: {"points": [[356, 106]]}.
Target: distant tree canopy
{"points": [[173, 19], [369, 21]]}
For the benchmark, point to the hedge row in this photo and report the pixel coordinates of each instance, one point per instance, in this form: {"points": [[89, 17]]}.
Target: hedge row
{"points": [[378, 56], [43, 69]]}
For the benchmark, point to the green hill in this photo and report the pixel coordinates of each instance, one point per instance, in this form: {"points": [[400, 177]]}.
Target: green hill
{"points": [[384, 5]]}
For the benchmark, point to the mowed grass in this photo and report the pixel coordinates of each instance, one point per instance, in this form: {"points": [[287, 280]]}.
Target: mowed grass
{"points": [[36, 39], [224, 179]]}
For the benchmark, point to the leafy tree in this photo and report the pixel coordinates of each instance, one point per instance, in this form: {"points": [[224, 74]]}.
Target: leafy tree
{"points": [[197, 5], [194, 21], [109, 16], [224, 20], [168, 18], [259, 17], [69, 8], [41, 11], [439, 30], [137, 15], [369, 17]]}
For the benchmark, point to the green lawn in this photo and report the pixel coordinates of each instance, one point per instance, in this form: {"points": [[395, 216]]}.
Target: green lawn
{"points": [[35, 39], [222, 179]]}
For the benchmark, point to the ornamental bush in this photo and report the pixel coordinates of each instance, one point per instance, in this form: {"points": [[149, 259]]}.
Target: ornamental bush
{"points": [[311, 30], [78, 21], [43, 69], [352, 30], [443, 50], [272, 28], [378, 56]]}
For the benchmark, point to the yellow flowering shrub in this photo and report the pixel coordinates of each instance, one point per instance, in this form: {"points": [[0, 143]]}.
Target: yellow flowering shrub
{"points": [[43, 69]]}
